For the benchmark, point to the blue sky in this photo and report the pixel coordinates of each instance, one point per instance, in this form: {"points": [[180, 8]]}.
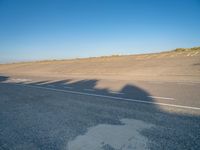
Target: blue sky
{"points": [[57, 29]]}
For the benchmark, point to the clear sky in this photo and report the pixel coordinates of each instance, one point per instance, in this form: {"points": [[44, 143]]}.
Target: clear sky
{"points": [[57, 29]]}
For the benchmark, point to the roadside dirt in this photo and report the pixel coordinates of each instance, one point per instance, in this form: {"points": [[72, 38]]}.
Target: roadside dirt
{"points": [[166, 66]]}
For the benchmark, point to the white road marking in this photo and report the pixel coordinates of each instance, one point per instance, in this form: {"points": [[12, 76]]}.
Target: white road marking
{"points": [[114, 92], [158, 97], [20, 80], [112, 97]]}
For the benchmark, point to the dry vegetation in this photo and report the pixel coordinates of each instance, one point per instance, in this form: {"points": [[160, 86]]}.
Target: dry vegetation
{"points": [[187, 49]]}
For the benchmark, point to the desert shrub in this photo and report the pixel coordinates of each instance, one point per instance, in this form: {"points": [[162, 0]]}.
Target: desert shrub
{"points": [[195, 48], [180, 49], [187, 49]]}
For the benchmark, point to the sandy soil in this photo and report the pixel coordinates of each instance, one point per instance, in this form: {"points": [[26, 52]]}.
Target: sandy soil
{"points": [[166, 66]]}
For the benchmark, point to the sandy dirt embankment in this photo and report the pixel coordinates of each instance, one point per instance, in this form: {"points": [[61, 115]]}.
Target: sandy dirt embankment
{"points": [[166, 66]]}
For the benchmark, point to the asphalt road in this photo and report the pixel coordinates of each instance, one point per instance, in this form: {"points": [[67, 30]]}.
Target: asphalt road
{"points": [[77, 115]]}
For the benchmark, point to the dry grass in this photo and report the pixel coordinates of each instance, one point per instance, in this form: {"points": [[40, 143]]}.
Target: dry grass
{"points": [[187, 49]]}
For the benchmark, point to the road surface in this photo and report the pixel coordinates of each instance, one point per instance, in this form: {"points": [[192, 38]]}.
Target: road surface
{"points": [[88, 114]]}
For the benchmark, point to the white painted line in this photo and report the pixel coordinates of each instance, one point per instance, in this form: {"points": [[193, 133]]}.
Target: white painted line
{"points": [[112, 97], [89, 90], [20, 80], [115, 92], [158, 97]]}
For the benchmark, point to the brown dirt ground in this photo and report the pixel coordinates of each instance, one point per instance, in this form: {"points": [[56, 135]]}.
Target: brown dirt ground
{"points": [[166, 66]]}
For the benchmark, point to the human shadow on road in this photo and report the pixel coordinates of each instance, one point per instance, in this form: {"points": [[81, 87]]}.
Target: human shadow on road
{"points": [[3, 78], [42, 118]]}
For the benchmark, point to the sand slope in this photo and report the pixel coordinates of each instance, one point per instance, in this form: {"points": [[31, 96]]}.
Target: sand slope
{"points": [[173, 66]]}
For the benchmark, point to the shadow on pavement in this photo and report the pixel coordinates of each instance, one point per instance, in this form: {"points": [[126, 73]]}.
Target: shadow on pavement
{"points": [[33, 118], [3, 78]]}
